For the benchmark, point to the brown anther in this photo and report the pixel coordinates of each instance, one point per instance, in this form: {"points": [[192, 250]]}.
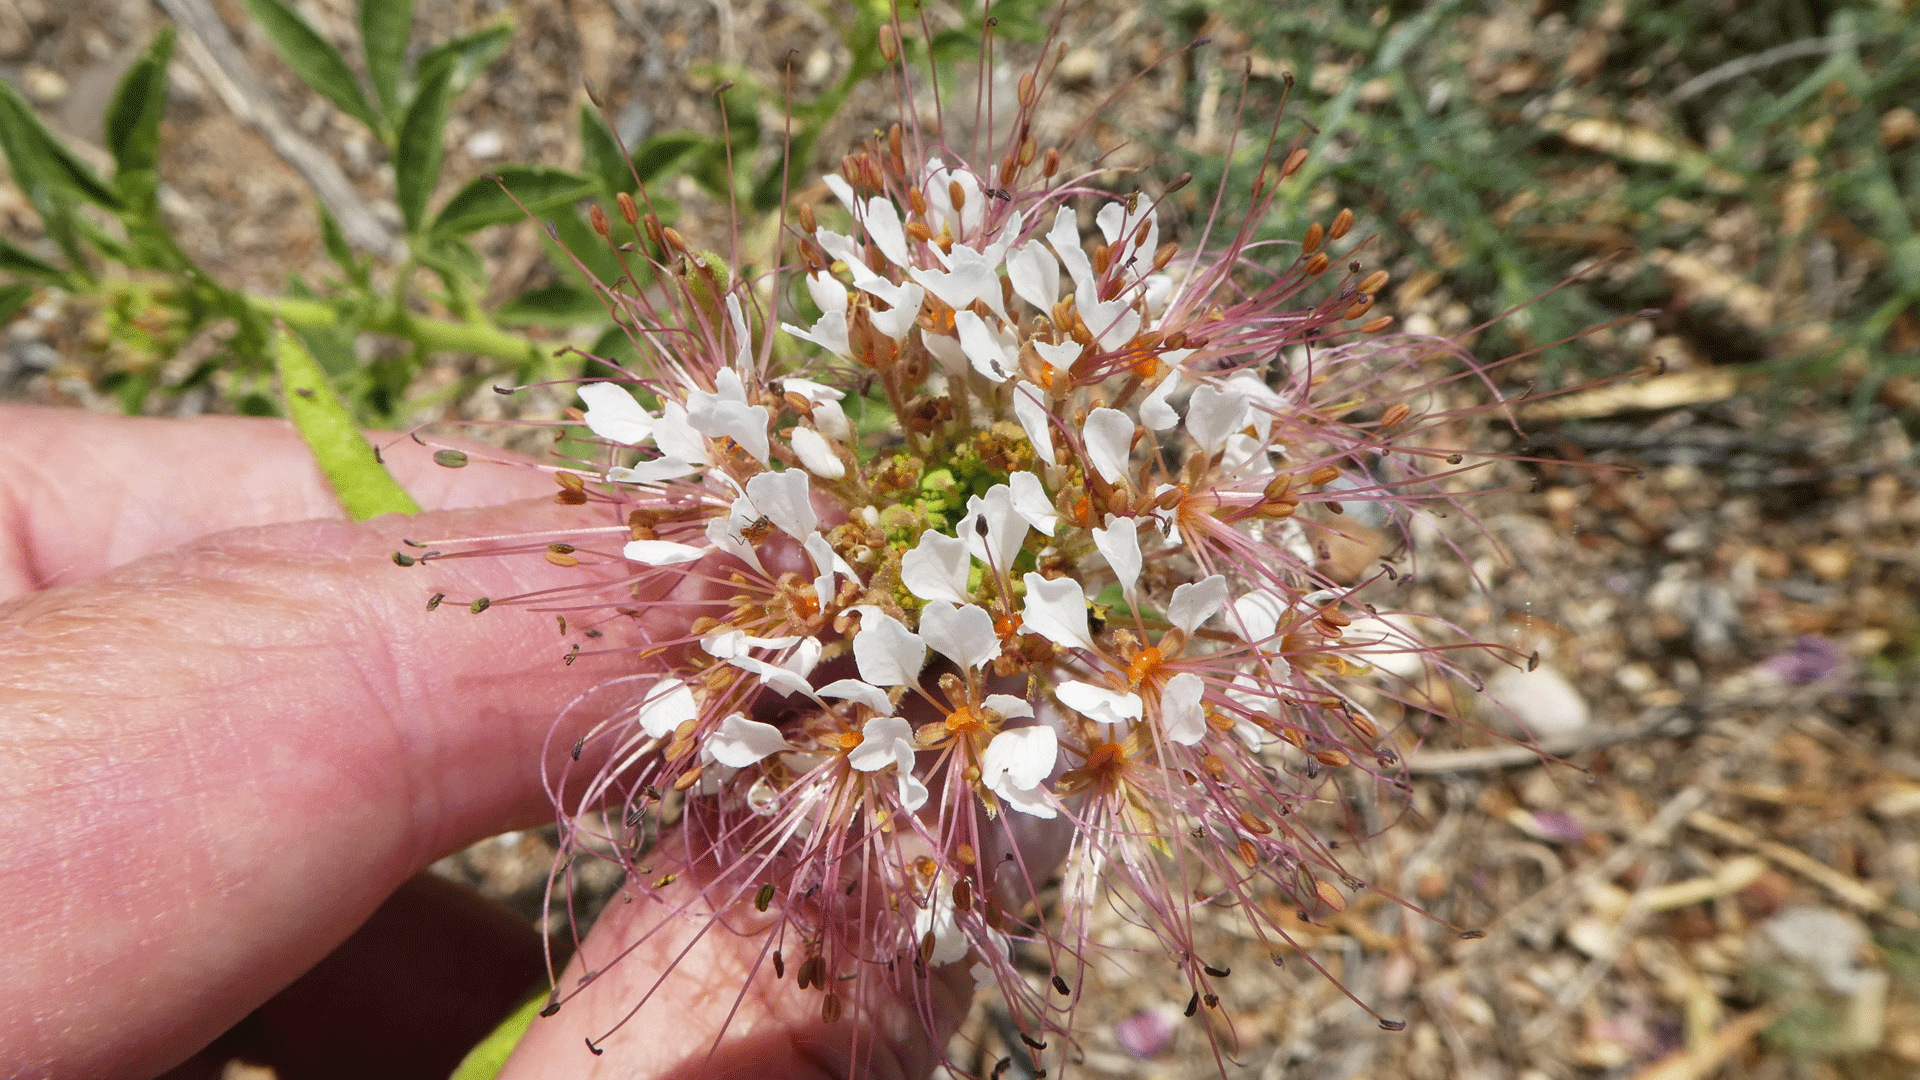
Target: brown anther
{"points": [[1342, 224], [830, 1008], [1394, 415], [1170, 498], [599, 219], [558, 558], [916, 202], [1374, 282], [1214, 766], [956, 195], [1117, 502], [1363, 725], [1140, 234], [1179, 182], [1248, 853], [1051, 164], [1029, 91], [1009, 168], [895, 140], [1316, 265], [779, 965], [798, 403], [1358, 309], [629, 213], [672, 239], [1028, 148], [889, 47], [965, 854], [919, 231], [1279, 508], [1374, 326], [572, 481], [963, 895], [1332, 759], [808, 223], [1329, 895], [688, 779], [1254, 823], [925, 866], [1165, 255], [1295, 159], [1334, 507], [654, 232], [1315, 234], [1325, 474], [1220, 722], [1336, 617], [1102, 258]]}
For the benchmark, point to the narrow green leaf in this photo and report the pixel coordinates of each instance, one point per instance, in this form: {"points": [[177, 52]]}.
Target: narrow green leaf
{"points": [[133, 116], [313, 58], [346, 458], [485, 1061], [338, 250], [41, 163], [385, 26], [450, 255], [483, 202], [13, 298], [469, 53], [416, 162], [15, 260], [557, 305], [665, 152], [600, 156]]}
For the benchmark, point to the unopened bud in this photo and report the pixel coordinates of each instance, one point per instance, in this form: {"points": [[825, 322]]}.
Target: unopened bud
{"points": [[599, 219], [894, 143], [1028, 148], [1051, 164], [1342, 223], [1009, 168], [808, 223], [1029, 91]]}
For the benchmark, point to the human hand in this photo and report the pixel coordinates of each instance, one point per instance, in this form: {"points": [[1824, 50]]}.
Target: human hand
{"points": [[233, 731]]}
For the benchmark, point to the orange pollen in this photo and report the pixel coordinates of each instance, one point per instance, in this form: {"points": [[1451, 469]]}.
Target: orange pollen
{"points": [[962, 719], [1142, 667], [806, 602], [848, 740], [1105, 758]]}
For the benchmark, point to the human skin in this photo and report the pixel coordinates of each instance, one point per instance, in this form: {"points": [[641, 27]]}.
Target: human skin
{"points": [[231, 730]]}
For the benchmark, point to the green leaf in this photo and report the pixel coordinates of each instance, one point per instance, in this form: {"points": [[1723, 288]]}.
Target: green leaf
{"points": [[346, 458], [451, 255], [416, 162], [133, 116], [41, 164], [558, 305], [469, 54], [13, 298], [485, 1061], [385, 27], [664, 152], [15, 260], [313, 58], [537, 187], [600, 156], [338, 249]]}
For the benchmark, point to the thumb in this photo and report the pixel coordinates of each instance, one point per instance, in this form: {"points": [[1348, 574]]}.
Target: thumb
{"points": [[234, 750]]}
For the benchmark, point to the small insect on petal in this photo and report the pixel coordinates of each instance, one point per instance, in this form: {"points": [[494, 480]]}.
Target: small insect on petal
{"points": [[1060, 986], [764, 897]]}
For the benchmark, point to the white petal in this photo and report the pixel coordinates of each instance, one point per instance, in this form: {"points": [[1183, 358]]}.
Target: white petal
{"points": [[676, 438], [722, 533], [877, 748], [883, 227], [953, 358], [1099, 703], [652, 472], [804, 657], [827, 292], [887, 653], [949, 941], [962, 634], [831, 419], [826, 563], [1032, 414], [662, 553], [1113, 322], [1059, 357], [1031, 503], [936, 568], [668, 705], [816, 453], [841, 248], [982, 346], [1181, 717], [1389, 643], [1196, 602], [897, 320], [1258, 394], [1119, 544], [1057, 611], [1065, 241], [1016, 765], [1109, 439], [1008, 706], [1154, 411], [911, 792], [1036, 275], [1257, 615], [743, 341], [816, 393], [1006, 530], [714, 416], [830, 333], [787, 501], [1024, 757], [1212, 415], [740, 742], [776, 677], [842, 190], [613, 414], [861, 693]]}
